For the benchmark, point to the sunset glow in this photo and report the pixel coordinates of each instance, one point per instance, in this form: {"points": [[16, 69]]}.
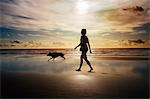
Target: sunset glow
{"points": [[82, 7], [58, 23]]}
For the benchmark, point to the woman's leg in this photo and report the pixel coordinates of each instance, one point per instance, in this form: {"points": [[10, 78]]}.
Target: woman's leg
{"points": [[81, 62], [87, 61]]}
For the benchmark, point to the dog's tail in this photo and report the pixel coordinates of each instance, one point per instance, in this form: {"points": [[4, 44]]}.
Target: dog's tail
{"points": [[48, 54]]}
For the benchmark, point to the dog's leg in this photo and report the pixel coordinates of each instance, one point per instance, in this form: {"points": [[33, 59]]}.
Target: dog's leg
{"points": [[50, 58], [63, 57]]}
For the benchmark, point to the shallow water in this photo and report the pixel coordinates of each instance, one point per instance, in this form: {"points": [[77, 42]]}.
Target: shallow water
{"points": [[95, 52], [40, 64]]}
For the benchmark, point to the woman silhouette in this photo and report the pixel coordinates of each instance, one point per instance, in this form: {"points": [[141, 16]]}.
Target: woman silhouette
{"points": [[84, 48]]}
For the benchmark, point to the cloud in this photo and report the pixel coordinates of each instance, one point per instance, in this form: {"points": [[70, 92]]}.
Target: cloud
{"points": [[30, 44], [119, 17], [105, 34], [143, 27], [16, 41], [58, 44], [21, 44], [139, 41], [134, 9], [141, 31], [18, 33], [128, 13], [27, 34], [9, 1], [135, 43], [130, 23], [23, 17]]}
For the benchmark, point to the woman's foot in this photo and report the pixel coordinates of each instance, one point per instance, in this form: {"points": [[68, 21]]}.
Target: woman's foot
{"points": [[90, 70], [78, 70]]}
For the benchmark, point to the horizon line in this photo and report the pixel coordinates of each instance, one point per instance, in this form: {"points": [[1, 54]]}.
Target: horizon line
{"points": [[64, 48]]}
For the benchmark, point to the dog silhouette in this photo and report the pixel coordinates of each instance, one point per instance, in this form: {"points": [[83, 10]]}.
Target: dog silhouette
{"points": [[55, 54]]}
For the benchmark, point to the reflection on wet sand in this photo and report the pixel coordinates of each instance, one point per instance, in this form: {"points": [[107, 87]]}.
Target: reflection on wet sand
{"points": [[34, 76], [82, 77]]}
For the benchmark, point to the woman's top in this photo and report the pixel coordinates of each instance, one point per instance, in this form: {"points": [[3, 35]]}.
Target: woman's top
{"points": [[83, 41]]}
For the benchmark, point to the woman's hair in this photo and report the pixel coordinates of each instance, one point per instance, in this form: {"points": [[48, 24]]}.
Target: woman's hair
{"points": [[83, 31]]}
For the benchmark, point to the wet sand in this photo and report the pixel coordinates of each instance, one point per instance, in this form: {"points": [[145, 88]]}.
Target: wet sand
{"points": [[35, 77], [21, 85]]}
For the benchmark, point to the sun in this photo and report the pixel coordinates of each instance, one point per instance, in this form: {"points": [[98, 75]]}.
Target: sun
{"points": [[82, 6]]}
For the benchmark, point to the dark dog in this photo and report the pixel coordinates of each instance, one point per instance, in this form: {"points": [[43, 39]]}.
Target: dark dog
{"points": [[55, 54]]}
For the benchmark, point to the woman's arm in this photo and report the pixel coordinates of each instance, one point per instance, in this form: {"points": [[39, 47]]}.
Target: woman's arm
{"points": [[77, 46], [89, 47]]}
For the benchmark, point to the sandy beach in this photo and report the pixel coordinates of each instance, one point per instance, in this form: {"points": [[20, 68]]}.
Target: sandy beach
{"points": [[35, 77]]}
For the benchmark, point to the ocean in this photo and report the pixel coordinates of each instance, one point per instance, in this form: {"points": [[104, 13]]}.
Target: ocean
{"points": [[143, 52]]}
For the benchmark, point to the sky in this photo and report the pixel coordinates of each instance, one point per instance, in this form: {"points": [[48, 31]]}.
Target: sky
{"points": [[58, 23]]}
